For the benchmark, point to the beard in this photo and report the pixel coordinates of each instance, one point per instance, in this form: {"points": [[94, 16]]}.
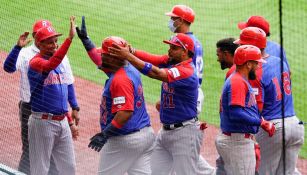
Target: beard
{"points": [[223, 65], [172, 61], [252, 75]]}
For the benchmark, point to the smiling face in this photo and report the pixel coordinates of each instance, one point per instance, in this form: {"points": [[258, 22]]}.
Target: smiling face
{"points": [[48, 46], [176, 53], [111, 63]]}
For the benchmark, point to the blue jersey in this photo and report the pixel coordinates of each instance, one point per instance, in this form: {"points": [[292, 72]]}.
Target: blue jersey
{"points": [[123, 91], [268, 84], [49, 91], [198, 57], [237, 92], [274, 49], [179, 94], [49, 82]]}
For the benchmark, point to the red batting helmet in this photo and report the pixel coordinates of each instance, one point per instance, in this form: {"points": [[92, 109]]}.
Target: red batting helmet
{"points": [[45, 33], [40, 24], [183, 12], [256, 21], [247, 53], [181, 40], [107, 42], [252, 36]]}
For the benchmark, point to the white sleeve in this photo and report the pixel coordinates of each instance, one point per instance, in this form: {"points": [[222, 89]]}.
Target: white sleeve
{"points": [[20, 60], [68, 72]]}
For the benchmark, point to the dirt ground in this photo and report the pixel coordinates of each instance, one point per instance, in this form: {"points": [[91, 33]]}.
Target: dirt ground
{"points": [[88, 95]]}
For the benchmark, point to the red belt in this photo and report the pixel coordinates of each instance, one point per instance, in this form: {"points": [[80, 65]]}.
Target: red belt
{"points": [[246, 135], [54, 117]]}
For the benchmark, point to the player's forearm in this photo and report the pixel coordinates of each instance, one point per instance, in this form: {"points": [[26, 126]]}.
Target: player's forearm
{"points": [[10, 61], [239, 115], [41, 65], [151, 58], [72, 96], [120, 119], [95, 56], [147, 68]]}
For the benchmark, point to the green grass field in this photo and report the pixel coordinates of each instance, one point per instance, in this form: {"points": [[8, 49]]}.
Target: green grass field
{"points": [[144, 25]]}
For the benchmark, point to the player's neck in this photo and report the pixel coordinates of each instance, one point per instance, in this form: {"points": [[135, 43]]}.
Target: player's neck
{"points": [[183, 29]]}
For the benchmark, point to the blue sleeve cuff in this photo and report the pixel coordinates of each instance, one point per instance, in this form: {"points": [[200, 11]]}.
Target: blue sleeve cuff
{"points": [[72, 97], [10, 61], [88, 44], [111, 130]]}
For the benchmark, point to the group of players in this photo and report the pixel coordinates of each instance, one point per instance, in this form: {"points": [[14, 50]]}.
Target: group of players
{"points": [[251, 99]]}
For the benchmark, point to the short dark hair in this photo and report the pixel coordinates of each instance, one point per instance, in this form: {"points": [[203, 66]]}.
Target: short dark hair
{"points": [[227, 44]]}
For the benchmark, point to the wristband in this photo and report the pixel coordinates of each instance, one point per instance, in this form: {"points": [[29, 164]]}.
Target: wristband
{"points": [[146, 68], [76, 108]]}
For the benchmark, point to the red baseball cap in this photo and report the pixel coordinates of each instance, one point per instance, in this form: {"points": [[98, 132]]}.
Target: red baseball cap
{"points": [[247, 53], [183, 12], [45, 33], [181, 40], [256, 21], [108, 41], [252, 36], [40, 24]]}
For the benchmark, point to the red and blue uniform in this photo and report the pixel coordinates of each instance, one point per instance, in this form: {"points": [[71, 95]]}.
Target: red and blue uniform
{"points": [[123, 91], [179, 94], [48, 83], [238, 110], [268, 89]]}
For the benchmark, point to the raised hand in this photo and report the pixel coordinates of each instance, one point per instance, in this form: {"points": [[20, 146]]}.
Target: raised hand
{"points": [[72, 30], [82, 34], [23, 39]]}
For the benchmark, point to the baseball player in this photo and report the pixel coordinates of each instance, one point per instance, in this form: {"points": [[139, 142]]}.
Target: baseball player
{"points": [[126, 139], [18, 59], [49, 133], [225, 49], [272, 48], [240, 118], [178, 142], [269, 98], [181, 17]]}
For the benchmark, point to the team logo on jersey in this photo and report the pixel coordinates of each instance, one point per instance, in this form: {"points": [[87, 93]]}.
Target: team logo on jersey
{"points": [[140, 97], [256, 91], [174, 71], [140, 90], [119, 100], [251, 100]]}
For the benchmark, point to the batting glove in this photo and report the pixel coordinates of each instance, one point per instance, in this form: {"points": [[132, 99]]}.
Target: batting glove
{"points": [[82, 34], [268, 127], [98, 141]]}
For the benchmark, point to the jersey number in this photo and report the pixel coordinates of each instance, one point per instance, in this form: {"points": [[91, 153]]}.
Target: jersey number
{"points": [[286, 85], [168, 101]]}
